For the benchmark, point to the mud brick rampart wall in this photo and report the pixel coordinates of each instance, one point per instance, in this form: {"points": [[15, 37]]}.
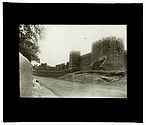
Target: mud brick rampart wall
{"points": [[74, 59], [113, 51], [85, 61]]}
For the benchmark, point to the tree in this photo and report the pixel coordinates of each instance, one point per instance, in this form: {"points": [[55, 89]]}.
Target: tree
{"points": [[28, 41]]}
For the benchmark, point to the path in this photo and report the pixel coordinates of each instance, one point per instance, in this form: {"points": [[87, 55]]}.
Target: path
{"points": [[61, 88]]}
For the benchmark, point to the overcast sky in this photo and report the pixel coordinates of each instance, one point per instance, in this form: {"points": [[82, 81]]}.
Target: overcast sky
{"points": [[61, 39]]}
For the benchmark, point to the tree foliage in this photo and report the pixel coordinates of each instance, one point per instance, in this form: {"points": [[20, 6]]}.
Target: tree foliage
{"points": [[28, 41]]}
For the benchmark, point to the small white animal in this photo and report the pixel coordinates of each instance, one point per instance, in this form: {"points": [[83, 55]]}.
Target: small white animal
{"points": [[36, 84]]}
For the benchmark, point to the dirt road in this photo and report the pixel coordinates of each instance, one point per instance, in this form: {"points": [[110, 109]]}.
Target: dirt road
{"points": [[66, 89]]}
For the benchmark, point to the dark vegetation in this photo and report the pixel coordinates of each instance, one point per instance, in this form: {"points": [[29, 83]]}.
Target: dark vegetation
{"points": [[28, 41]]}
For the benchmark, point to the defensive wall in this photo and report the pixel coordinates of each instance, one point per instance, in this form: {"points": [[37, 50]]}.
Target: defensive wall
{"points": [[45, 73], [58, 67], [108, 55], [85, 61], [74, 59], [116, 56]]}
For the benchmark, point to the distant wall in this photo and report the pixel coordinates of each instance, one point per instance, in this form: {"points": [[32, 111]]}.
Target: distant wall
{"points": [[85, 61], [25, 70], [54, 74]]}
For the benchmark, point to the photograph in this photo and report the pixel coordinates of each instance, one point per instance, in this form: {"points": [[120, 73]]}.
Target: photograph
{"points": [[73, 61]]}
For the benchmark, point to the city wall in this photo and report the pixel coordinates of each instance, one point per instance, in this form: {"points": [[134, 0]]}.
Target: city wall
{"points": [[114, 52], [108, 54], [45, 73], [110, 51], [85, 61]]}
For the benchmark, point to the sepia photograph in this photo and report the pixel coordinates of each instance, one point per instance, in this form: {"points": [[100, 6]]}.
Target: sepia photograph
{"points": [[72, 61]]}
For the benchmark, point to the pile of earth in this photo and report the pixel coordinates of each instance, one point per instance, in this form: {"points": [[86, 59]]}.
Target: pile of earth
{"points": [[94, 78]]}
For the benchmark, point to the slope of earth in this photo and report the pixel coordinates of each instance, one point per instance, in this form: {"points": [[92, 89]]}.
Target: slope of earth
{"points": [[42, 92]]}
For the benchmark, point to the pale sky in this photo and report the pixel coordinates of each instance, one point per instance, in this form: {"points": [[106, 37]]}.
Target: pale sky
{"points": [[61, 39]]}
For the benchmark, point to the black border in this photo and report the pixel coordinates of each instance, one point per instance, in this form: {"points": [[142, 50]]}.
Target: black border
{"points": [[17, 109]]}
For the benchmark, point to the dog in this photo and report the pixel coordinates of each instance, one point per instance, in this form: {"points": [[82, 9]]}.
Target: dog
{"points": [[36, 84]]}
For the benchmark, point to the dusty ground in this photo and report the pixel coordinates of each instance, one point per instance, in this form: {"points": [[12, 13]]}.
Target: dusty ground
{"points": [[89, 88], [43, 92]]}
